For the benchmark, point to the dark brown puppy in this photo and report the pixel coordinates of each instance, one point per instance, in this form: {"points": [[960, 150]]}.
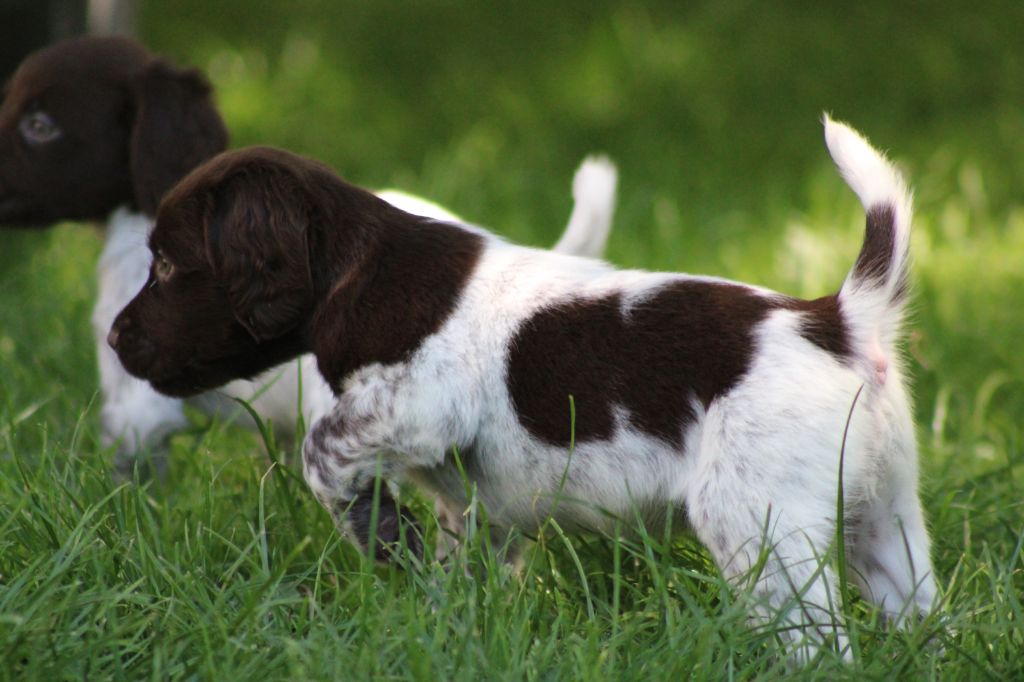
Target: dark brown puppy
{"points": [[91, 124]]}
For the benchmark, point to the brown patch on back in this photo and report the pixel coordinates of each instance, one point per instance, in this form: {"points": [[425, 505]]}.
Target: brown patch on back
{"points": [[690, 340], [821, 323]]}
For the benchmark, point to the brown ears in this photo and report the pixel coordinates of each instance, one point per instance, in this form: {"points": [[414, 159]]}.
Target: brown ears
{"points": [[176, 128], [257, 238]]}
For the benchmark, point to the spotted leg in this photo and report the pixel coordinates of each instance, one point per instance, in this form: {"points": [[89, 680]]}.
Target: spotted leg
{"points": [[343, 453]]}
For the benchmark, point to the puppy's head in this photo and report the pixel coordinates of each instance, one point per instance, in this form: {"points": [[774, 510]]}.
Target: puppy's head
{"points": [[233, 285], [90, 124]]}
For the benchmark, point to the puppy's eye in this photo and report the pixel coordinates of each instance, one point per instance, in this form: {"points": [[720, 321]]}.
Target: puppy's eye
{"points": [[162, 268], [39, 128]]}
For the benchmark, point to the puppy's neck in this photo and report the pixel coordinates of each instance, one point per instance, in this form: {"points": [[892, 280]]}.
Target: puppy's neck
{"points": [[399, 281]]}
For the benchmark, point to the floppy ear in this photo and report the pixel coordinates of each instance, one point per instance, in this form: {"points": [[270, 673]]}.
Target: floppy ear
{"points": [[176, 128], [257, 240]]}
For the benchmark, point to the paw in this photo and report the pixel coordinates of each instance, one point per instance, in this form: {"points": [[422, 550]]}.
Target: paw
{"points": [[396, 528], [150, 466]]}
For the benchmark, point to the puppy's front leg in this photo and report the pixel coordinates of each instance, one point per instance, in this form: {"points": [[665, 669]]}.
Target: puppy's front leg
{"points": [[342, 455]]}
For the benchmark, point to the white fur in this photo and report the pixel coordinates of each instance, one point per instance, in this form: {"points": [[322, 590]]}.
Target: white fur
{"points": [[757, 477], [875, 182], [132, 410], [416, 205], [136, 416], [593, 189]]}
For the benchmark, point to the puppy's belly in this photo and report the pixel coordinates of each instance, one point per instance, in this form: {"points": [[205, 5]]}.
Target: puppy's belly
{"points": [[611, 485]]}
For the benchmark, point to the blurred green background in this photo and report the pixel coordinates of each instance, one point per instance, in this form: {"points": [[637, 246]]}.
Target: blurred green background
{"points": [[711, 105]]}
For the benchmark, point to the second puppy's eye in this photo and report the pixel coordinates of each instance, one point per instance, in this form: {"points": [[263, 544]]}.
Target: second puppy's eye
{"points": [[39, 128], [162, 268]]}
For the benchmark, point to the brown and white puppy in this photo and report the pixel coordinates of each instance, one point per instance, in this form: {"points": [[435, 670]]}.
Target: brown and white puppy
{"points": [[726, 403], [100, 128]]}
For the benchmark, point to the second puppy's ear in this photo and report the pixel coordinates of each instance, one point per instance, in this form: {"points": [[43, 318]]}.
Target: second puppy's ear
{"points": [[257, 239], [176, 128]]}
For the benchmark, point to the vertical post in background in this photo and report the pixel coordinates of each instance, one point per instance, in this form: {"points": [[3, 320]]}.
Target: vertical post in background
{"points": [[110, 17]]}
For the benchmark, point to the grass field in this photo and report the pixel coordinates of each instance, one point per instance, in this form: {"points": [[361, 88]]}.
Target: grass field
{"points": [[230, 570]]}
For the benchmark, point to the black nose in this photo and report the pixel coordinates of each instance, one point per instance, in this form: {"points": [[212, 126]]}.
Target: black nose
{"points": [[134, 348], [115, 331]]}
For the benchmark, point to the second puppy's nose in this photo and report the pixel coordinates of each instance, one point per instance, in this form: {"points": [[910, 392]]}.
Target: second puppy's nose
{"points": [[114, 335]]}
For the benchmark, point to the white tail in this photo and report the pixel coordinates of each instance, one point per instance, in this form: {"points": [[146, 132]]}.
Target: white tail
{"points": [[593, 189], [874, 295]]}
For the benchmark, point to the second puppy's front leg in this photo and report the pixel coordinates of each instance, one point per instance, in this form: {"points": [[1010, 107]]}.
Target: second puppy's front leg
{"points": [[341, 456]]}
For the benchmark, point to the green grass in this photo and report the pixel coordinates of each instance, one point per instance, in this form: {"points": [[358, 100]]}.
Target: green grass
{"points": [[230, 570]]}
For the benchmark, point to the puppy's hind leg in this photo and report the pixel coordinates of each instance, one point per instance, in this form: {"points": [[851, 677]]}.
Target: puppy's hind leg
{"points": [[889, 553], [768, 521], [782, 553], [890, 556]]}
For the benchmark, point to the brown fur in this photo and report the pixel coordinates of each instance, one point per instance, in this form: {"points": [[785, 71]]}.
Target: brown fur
{"points": [[131, 125], [873, 262], [822, 324], [275, 255], [689, 339]]}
